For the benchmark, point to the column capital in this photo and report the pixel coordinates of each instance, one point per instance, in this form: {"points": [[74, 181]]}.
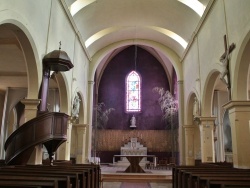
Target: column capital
{"points": [[188, 126], [199, 119], [232, 104], [91, 82], [31, 103], [80, 126], [206, 118], [180, 82], [30, 108]]}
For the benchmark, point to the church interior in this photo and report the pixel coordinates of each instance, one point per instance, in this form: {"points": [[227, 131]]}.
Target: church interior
{"points": [[143, 87]]}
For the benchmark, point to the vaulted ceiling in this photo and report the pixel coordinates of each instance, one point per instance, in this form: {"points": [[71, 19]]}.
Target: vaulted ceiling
{"points": [[104, 22], [169, 22]]}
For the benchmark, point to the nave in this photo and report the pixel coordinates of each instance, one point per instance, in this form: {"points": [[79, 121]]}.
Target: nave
{"points": [[153, 178]]}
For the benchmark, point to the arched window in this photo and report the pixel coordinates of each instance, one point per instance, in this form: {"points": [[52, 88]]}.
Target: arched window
{"points": [[133, 92]]}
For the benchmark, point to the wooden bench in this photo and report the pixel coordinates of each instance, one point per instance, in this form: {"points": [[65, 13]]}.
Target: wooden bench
{"points": [[209, 176], [188, 176], [82, 179], [76, 179], [93, 177], [29, 181], [80, 175], [63, 180], [221, 182], [194, 179]]}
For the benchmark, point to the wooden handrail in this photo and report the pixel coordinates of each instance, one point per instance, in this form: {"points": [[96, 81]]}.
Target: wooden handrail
{"points": [[48, 128]]}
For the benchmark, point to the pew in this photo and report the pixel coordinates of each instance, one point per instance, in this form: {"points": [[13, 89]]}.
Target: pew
{"points": [[29, 181], [79, 175], [74, 178], [178, 172], [194, 179], [189, 177], [67, 180], [221, 182], [94, 171], [82, 176], [209, 175]]}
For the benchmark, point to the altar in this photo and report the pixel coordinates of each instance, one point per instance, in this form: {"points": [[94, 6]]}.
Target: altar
{"points": [[133, 147], [134, 162]]}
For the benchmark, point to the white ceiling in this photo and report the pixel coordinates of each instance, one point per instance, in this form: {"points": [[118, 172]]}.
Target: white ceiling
{"points": [[117, 20], [135, 19]]}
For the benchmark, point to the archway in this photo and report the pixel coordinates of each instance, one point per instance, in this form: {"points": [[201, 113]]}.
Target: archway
{"points": [[19, 67], [192, 131]]}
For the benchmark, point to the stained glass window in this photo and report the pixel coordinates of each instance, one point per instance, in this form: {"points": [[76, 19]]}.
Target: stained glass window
{"points": [[133, 92]]}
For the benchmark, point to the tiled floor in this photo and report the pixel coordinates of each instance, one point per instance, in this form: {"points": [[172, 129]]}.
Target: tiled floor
{"points": [[109, 169], [136, 185]]}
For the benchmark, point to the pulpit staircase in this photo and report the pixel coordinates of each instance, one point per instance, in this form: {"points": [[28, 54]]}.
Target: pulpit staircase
{"points": [[49, 128]]}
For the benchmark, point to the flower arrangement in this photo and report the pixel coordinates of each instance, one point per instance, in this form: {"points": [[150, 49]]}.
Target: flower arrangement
{"points": [[102, 115], [169, 106]]}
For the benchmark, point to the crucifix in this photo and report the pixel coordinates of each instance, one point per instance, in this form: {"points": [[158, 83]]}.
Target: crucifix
{"points": [[224, 59]]}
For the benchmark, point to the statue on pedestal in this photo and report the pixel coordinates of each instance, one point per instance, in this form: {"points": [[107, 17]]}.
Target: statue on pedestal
{"points": [[75, 107], [133, 121], [196, 108]]}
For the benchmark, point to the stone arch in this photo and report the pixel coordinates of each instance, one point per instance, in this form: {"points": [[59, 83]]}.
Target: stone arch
{"points": [[208, 91], [30, 54], [192, 132], [172, 56], [63, 92], [23, 39], [151, 51], [240, 80]]}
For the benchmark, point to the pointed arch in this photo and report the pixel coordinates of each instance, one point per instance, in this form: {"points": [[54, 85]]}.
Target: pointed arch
{"points": [[133, 92]]}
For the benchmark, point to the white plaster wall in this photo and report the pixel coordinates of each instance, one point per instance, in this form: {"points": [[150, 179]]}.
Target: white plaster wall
{"points": [[191, 71], [210, 45], [81, 75], [47, 29], [34, 15], [211, 42]]}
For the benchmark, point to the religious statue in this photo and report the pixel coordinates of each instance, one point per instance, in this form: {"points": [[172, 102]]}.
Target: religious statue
{"points": [[76, 107], [196, 111], [224, 61], [133, 121]]}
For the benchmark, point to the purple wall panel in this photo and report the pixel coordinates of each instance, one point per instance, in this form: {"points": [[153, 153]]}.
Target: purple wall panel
{"points": [[111, 89]]}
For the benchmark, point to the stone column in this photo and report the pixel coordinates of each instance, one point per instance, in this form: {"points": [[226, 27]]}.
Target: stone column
{"points": [[89, 126], [30, 108], [239, 115], [80, 143], [181, 122], [189, 144], [68, 142], [63, 152], [30, 112], [207, 139]]}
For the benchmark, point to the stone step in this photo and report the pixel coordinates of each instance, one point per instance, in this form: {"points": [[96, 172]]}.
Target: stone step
{"points": [[136, 177]]}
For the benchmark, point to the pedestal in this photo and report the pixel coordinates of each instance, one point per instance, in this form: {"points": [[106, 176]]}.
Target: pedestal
{"points": [[80, 141], [30, 113], [239, 115], [189, 144], [207, 139]]}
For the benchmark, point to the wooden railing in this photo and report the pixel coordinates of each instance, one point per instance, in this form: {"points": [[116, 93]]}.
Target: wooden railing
{"points": [[48, 128]]}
